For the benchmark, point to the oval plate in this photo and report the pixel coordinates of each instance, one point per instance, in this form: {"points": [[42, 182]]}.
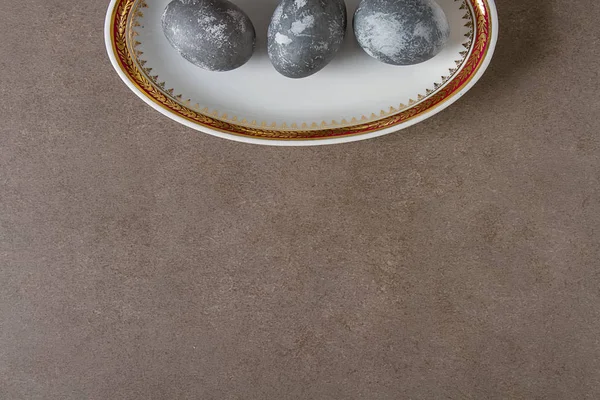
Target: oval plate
{"points": [[354, 97]]}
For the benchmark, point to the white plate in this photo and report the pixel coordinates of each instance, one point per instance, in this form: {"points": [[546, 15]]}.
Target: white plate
{"points": [[354, 97]]}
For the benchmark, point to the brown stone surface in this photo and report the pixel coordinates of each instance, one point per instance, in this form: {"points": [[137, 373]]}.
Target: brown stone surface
{"points": [[458, 259]]}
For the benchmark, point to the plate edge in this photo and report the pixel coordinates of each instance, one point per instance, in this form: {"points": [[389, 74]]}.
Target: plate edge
{"points": [[306, 141]]}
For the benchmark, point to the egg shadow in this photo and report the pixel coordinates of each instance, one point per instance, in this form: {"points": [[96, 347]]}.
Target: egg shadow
{"points": [[350, 50], [260, 13]]}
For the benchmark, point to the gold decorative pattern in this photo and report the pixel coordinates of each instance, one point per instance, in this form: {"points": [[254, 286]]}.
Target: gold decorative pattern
{"points": [[125, 20]]}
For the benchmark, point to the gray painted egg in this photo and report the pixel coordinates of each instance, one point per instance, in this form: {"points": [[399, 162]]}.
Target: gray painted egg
{"points": [[305, 35], [213, 34], [401, 32]]}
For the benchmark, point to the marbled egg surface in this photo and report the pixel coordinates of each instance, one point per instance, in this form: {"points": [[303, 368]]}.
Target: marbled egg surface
{"points": [[213, 34], [401, 32], [305, 35]]}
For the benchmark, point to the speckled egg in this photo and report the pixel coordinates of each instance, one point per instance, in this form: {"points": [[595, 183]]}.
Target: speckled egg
{"points": [[305, 35], [213, 34], [401, 32]]}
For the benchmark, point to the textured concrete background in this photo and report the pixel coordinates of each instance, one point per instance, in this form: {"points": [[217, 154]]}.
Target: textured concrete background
{"points": [[458, 259]]}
